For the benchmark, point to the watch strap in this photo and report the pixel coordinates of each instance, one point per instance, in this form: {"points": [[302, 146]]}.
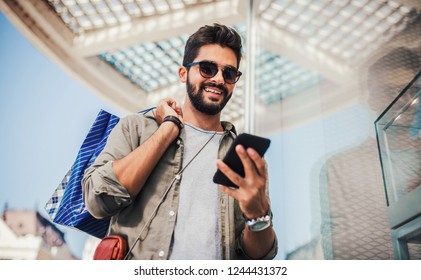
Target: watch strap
{"points": [[269, 213], [264, 219]]}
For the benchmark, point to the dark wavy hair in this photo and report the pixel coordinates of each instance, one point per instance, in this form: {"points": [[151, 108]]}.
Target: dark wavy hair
{"points": [[212, 34]]}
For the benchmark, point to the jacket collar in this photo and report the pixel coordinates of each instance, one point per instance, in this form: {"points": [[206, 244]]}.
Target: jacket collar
{"points": [[227, 126]]}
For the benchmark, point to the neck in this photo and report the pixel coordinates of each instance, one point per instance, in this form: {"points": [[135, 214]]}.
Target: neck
{"points": [[201, 120]]}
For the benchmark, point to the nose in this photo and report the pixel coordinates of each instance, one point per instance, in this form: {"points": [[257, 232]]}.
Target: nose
{"points": [[218, 78]]}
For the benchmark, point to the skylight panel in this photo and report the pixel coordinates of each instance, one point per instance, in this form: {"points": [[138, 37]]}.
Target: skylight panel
{"points": [[151, 65], [84, 15], [278, 78], [346, 23]]}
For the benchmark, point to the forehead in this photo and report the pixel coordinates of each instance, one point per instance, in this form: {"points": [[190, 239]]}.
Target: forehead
{"points": [[221, 55]]}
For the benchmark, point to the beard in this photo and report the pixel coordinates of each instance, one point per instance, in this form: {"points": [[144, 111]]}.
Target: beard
{"points": [[197, 98]]}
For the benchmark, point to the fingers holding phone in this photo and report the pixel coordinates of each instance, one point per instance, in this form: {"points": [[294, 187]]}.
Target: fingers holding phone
{"points": [[251, 189], [246, 148], [242, 174], [251, 161]]}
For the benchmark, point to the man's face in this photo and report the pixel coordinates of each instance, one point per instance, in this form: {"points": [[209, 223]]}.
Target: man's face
{"points": [[210, 95]]}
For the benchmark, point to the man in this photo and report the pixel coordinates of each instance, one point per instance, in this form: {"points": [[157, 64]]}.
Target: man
{"points": [[166, 207]]}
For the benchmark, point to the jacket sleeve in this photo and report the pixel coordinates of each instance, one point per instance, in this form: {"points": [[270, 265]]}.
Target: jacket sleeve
{"points": [[103, 194], [243, 256]]}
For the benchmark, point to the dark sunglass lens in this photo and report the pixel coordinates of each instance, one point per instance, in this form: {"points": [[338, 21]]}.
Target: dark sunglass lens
{"points": [[230, 75], [208, 69]]}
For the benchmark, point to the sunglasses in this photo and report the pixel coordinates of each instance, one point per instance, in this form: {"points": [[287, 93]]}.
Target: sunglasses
{"points": [[209, 69]]}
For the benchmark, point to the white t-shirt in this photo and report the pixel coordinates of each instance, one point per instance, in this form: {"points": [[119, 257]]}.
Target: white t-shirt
{"points": [[196, 234]]}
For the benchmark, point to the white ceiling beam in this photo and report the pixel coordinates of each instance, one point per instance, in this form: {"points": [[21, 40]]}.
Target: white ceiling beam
{"points": [[47, 19], [46, 31], [159, 27], [302, 53], [28, 16], [303, 108]]}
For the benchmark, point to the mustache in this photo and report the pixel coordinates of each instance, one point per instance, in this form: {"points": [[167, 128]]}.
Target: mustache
{"points": [[219, 86]]}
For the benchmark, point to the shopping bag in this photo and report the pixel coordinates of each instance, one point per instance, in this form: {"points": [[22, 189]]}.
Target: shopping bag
{"points": [[66, 206]]}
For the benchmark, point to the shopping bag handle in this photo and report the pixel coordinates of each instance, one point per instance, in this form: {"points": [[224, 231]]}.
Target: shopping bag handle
{"points": [[146, 110]]}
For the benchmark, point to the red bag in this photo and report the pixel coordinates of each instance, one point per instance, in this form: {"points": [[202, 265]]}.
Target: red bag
{"points": [[112, 247]]}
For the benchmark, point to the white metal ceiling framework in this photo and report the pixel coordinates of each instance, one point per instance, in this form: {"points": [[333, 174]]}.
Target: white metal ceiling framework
{"points": [[128, 51], [345, 29]]}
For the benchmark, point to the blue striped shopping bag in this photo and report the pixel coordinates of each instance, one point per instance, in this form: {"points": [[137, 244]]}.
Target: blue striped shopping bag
{"points": [[66, 207]]}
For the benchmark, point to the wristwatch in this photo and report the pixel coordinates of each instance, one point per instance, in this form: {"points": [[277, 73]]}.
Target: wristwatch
{"points": [[259, 224], [175, 120]]}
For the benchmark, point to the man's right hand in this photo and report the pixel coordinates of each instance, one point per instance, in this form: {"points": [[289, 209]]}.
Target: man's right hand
{"points": [[133, 170], [167, 107]]}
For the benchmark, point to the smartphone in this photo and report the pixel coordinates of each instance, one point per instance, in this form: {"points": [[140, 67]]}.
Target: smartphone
{"points": [[259, 144]]}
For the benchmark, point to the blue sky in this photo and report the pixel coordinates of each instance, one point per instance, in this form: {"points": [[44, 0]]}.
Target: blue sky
{"points": [[44, 117]]}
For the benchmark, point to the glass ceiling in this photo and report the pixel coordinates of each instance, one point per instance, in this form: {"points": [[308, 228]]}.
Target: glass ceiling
{"points": [[154, 65], [151, 65], [345, 29], [279, 78], [86, 15]]}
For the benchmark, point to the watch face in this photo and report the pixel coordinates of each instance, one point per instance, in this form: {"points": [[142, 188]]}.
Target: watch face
{"points": [[260, 225]]}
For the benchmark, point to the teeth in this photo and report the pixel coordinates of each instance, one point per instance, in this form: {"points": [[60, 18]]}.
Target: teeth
{"points": [[214, 91]]}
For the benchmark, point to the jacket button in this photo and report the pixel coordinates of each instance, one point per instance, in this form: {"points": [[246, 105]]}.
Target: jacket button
{"points": [[161, 253]]}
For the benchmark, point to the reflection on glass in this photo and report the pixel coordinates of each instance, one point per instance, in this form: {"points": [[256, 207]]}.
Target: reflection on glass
{"points": [[398, 131]]}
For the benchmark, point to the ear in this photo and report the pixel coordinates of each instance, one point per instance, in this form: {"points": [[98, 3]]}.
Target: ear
{"points": [[182, 74]]}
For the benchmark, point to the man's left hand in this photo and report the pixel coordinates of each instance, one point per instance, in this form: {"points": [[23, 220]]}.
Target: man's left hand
{"points": [[251, 193]]}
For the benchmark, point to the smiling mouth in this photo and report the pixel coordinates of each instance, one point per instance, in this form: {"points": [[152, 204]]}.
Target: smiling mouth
{"points": [[211, 90]]}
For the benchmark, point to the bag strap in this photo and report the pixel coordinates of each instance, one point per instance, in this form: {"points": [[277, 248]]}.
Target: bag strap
{"points": [[143, 112], [177, 176]]}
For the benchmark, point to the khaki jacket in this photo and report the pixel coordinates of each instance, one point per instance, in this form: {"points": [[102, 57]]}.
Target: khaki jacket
{"points": [[153, 210]]}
